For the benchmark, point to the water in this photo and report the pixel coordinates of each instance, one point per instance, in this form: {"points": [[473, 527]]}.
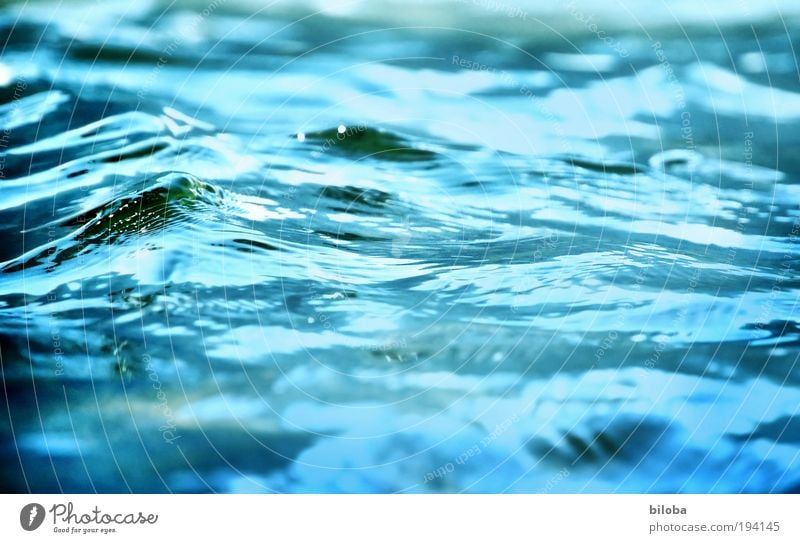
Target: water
{"points": [[464, 247]]}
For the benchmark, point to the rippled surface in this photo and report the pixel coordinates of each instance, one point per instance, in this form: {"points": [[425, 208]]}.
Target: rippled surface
{"points": [[467, 250]]}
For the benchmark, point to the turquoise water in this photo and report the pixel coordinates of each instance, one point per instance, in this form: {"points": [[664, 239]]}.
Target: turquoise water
{"points": [[438, 247]]}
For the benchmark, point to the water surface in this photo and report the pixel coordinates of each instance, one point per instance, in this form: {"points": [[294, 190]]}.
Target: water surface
{"points": [[467, 248]]}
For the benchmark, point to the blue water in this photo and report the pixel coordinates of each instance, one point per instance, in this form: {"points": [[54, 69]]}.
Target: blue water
{"points": [[439, 247]]}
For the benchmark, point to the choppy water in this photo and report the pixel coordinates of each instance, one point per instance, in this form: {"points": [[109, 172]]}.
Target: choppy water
{"points": [[440, 248]]}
